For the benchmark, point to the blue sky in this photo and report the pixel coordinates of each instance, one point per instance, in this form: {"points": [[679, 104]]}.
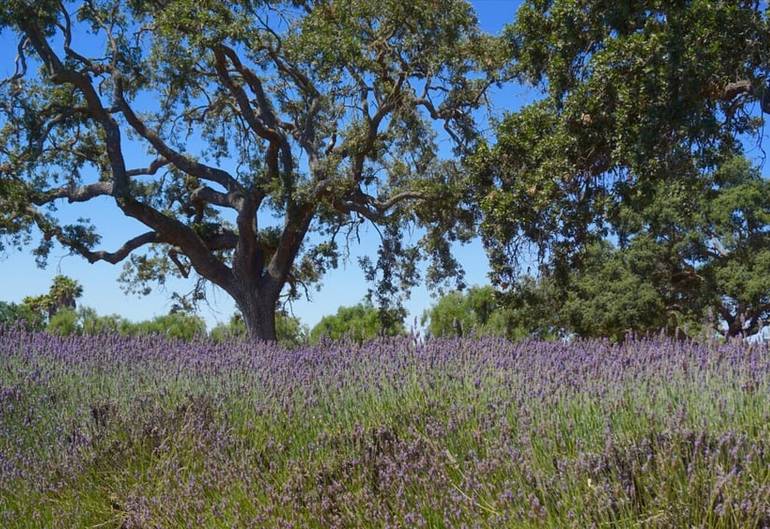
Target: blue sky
{"points": [[344, 286]]}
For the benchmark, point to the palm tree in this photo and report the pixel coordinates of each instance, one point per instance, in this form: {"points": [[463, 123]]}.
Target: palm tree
{"points": [[63, 294]]}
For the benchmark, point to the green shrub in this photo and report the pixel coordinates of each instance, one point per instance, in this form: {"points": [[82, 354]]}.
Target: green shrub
{"points": [[358, 323], [64, 323]]}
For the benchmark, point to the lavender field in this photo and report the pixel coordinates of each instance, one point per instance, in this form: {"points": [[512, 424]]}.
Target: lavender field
{"points": [[116, 432]]}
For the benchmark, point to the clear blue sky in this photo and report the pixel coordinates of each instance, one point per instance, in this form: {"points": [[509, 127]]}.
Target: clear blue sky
{"points": [[344, 286]]}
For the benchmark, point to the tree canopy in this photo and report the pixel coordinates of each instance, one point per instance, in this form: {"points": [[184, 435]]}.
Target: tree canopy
{"points": [[632, 94], [358, 323], [473, 312], [692, 261], [36, 311], [269, 131], [623, 188]]}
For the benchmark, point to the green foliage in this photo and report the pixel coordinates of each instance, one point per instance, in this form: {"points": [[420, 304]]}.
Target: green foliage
{"points": [[475, 312], [93, 324], [235, 329], [634, 95], [63, 293], [64, 323], [626, 178], [177, 325], [526, 311], [616, 292], [532, 309], [736, 248], [693, 260], [36, 312], [289, 330], [10, 313], [359, 323], [86, 321], [36, 308], [643, 87], [31, 318]]}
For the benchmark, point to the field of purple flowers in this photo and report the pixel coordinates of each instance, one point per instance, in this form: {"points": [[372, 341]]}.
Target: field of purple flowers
{"points": [[114, 432]]}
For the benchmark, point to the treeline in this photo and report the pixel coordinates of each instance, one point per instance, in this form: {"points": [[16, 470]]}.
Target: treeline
{"points": [[619, 291], [57, 312], [177, 325], [358, 323]]}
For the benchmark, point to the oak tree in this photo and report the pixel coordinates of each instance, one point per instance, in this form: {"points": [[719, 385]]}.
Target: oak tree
{"points": [[319, 113], [632, 94]]}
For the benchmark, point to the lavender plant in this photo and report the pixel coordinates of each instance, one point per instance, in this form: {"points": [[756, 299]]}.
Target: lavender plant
{"points": [[117, 432]]}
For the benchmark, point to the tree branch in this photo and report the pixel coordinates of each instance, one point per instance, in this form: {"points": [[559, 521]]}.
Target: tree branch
{"points": [[54, 231], [732, 90], [82, 193], [276, 139], [182, 162], [211, 196], [225, 240], [169, 229], [297, 223], [148, 171], [21, 63], [122, 252], [371, 208]]}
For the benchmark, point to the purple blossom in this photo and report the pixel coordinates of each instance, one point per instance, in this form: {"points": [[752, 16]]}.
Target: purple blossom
{"points": [[146, 432]]}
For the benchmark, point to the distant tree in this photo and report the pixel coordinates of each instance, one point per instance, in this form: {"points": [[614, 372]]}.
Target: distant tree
{"points": [[736, 248], [235, 329], [321, 113], [85, 321], [473, 312], [616, 292], [10, 313], [31, 317], [177, 325], [63, 294], [93, 324], [525, 311], [359, 323], [64, 323], [37, 311], [290, 332], [532, 309], [692, 259], [612, 181]]}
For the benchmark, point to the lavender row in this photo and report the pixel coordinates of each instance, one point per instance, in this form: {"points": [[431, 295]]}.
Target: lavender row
{"points": [[144, 432]]}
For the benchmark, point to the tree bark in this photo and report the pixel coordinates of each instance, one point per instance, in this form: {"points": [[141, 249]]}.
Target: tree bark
{"points": [[258, 311]]}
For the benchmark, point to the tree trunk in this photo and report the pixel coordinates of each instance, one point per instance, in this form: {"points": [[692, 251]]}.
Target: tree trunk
{"points": [[734, 329], [259, 315]]}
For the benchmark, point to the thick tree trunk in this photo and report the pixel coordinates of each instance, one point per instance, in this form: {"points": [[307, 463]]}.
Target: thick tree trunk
{"points": [[734, 327], [258, 315]]}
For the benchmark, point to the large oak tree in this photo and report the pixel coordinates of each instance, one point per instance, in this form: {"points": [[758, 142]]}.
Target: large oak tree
{"points": [[322, 113], [633, 94], [618, 175]]}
